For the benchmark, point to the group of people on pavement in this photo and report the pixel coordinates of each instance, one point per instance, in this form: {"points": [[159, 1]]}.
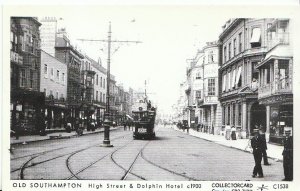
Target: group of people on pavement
{"points": [[129, 124], [259, 146], [183, 125]]}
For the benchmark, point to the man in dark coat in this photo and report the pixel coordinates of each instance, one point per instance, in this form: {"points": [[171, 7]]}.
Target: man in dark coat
{"points": [[125, 125], [257, 146], [288, 157], [264, 150]]}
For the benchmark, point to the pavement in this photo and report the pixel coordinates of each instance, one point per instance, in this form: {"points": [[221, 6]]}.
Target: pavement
{"points": [[54, 135], [273, 152]]}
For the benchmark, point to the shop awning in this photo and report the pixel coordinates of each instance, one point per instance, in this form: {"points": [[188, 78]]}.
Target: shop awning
{"points": [[129, 117], [233, 78], [238, 75], [224, 83], [229, 86], [256, 33]]}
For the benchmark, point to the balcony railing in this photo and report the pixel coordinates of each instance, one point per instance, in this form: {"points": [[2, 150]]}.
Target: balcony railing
{"points": [[281, 38], [279, 86]]}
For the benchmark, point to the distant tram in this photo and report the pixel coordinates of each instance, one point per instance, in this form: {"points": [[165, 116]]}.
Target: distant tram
{"points": [[144, 119]]}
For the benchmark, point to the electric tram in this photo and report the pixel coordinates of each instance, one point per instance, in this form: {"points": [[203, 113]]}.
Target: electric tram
{"points": [[144, 118]]}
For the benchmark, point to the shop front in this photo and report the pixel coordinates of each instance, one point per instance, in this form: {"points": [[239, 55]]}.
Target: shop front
{"points": [[56, 113], [27, 116], [280, 115]]}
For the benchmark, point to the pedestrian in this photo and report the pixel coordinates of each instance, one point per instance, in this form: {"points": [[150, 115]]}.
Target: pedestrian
{"points": [[124, 124], [129, 124], [264, 150], [288, 156], [233, 133], [257, 146]]}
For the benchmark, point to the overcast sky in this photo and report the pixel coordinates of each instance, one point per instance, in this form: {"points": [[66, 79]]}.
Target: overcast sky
{"points": [[169, 36]]}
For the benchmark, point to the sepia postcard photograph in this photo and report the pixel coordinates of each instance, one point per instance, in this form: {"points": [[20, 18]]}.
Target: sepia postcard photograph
{"points": [[150, 97]]}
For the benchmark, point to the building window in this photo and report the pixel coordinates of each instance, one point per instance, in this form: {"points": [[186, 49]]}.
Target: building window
{"points": [[223, 115], [57, 74], [56, 95], [211, 87], [198, 94], [96, 95], [228, 81], [240, 114], [224, 83], [228, 115], [45, 70], [61, 96], [97, 79], [229, 51], [22, 78], [268, 75], [31, 78], [198, 76], [225, 53], [240, 42], [104, 83], [23, 43], [233, 114], [255, 38], [234, 47], [104, 98], [255, 72], [101, 82], [52, 72], [211, 56], [63, 78]]}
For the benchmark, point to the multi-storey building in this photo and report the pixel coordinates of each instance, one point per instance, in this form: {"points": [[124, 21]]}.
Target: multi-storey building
{"points": [[113, 94], [194, 89], [27, 103], [183, 101], [202, 90], [207, 99], [123, 102], [53, 83], [99, 88], [66, 53], [243, 44], [275, 91], [87, 108]]}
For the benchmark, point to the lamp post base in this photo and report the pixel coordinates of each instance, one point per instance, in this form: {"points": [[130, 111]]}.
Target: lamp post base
{"points": [[106, 143]]}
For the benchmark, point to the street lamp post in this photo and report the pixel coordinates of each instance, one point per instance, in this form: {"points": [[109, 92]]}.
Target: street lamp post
{"points": [[107, 122]]}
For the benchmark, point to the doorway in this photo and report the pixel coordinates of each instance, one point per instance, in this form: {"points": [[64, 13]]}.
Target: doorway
{"points": [[258, 116]]}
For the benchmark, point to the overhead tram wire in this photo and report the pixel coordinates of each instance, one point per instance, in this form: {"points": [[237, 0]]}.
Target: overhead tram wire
{"points": [[106, 141]]}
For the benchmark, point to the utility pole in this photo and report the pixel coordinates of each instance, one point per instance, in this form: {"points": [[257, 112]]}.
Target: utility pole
{"points": [[107, 122]]}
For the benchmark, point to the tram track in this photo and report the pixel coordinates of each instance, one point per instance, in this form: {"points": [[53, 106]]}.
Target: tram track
{"points": [[25, 164], [39, 153], [128, 171], [163, 168], [75, 174]]}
